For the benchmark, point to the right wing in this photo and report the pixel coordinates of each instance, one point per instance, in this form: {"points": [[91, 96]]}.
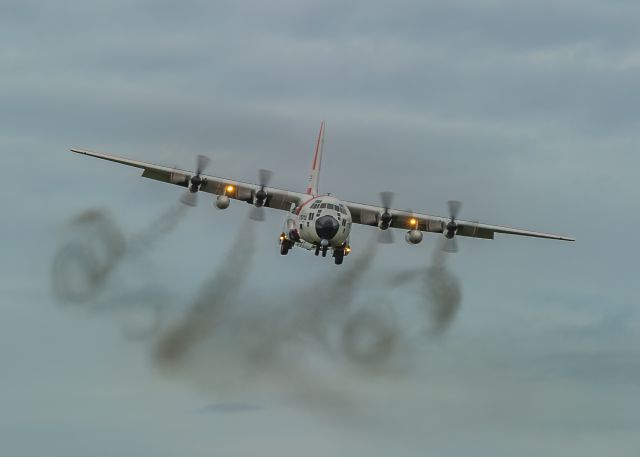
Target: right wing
{"points": [[370, 215], [237, 190]]}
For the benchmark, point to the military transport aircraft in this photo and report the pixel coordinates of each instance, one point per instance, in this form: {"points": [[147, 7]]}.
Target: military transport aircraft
{"points": [[315, 221]]}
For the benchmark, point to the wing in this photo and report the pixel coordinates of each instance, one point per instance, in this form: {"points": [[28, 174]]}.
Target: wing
{"points": [[370, 214], [238, 190]]}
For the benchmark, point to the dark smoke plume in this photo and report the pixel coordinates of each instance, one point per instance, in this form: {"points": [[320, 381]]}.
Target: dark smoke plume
{"points": [[233, 338], [84, 266], [370, 338], [81, 266], [212, 302], [444, 291], [441, 291], [262, 326]]}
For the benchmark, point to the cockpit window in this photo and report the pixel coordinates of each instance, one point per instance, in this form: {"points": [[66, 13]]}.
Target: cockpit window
{"points": [[324, 205], [343, 210]]}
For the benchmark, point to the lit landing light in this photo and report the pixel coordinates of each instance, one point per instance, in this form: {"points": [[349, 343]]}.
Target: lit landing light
{"points": [[347, 250], [229, 189], [413, 222]]}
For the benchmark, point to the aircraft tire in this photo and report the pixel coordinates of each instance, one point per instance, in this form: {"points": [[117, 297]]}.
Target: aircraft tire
{"points": [[284, 248]]}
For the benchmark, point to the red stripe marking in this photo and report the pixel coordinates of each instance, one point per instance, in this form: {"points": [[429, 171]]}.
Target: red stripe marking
{"points": [[315, 156]]}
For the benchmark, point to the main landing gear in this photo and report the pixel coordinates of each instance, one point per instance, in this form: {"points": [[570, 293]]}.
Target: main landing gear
{"points": [[285, 245], [338, 256], [339, 252]]}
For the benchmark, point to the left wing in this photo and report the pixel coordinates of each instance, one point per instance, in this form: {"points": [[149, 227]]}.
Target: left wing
{"points": [[237, 190], [370, 215]]}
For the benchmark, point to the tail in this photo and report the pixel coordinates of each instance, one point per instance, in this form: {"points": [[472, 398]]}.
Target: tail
{"points": [[314, 177]]}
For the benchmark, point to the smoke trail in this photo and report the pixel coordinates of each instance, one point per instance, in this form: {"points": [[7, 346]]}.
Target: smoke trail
{"points": [[162, 226], [444, 290], [329, 298], [370, 338], [96, 247], [441, 291], [212, 303], [232, 339], [83, 269]]}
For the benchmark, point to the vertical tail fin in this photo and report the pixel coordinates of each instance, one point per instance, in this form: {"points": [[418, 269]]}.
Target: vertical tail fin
{"points": [[314, 177]]}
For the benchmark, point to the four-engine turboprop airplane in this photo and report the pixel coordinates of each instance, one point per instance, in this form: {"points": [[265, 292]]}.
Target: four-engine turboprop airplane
{"points": [[319, 222]]}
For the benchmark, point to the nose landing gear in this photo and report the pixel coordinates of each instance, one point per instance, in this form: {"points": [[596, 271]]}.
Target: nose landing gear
{"points": [[324, 245]]}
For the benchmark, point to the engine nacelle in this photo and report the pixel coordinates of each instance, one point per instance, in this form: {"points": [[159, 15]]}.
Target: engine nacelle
{"points": [[450, 230], [260, 198], [384, 221], [222, 202], [413, 236]]}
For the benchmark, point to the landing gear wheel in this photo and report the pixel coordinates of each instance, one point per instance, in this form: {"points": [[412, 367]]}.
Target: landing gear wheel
{"points": [[338, 255], [285, 246]]}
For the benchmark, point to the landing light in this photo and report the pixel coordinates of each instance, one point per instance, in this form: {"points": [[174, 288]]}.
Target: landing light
{"points": [[413, 221], [230, 189], [347, 249]]}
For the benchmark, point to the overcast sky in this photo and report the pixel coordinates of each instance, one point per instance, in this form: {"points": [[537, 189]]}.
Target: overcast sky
{"points": [[527, 111]]}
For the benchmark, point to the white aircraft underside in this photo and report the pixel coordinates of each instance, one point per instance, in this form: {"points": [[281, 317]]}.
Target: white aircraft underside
{"points": [[319, 223]]}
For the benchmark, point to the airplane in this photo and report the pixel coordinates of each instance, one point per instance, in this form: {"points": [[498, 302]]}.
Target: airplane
{"points": [[319, 222]]}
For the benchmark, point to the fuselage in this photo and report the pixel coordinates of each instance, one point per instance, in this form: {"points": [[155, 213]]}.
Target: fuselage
{"points": [[320, 221]]}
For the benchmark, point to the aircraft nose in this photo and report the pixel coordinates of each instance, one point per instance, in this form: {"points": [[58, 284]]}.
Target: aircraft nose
{"points": [[327, 227]]}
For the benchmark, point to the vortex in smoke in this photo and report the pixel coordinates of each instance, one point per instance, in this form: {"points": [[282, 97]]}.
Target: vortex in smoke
{"points": [[84, 265], [441, 292]]}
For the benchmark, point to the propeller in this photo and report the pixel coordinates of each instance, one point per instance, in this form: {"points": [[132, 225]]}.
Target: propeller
{"points": [[450, 244], [257, 212], [385, 236], [194, 183]]}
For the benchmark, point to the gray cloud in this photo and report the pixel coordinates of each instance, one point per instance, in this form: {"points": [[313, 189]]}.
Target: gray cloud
{"points": [[218, 408]]}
